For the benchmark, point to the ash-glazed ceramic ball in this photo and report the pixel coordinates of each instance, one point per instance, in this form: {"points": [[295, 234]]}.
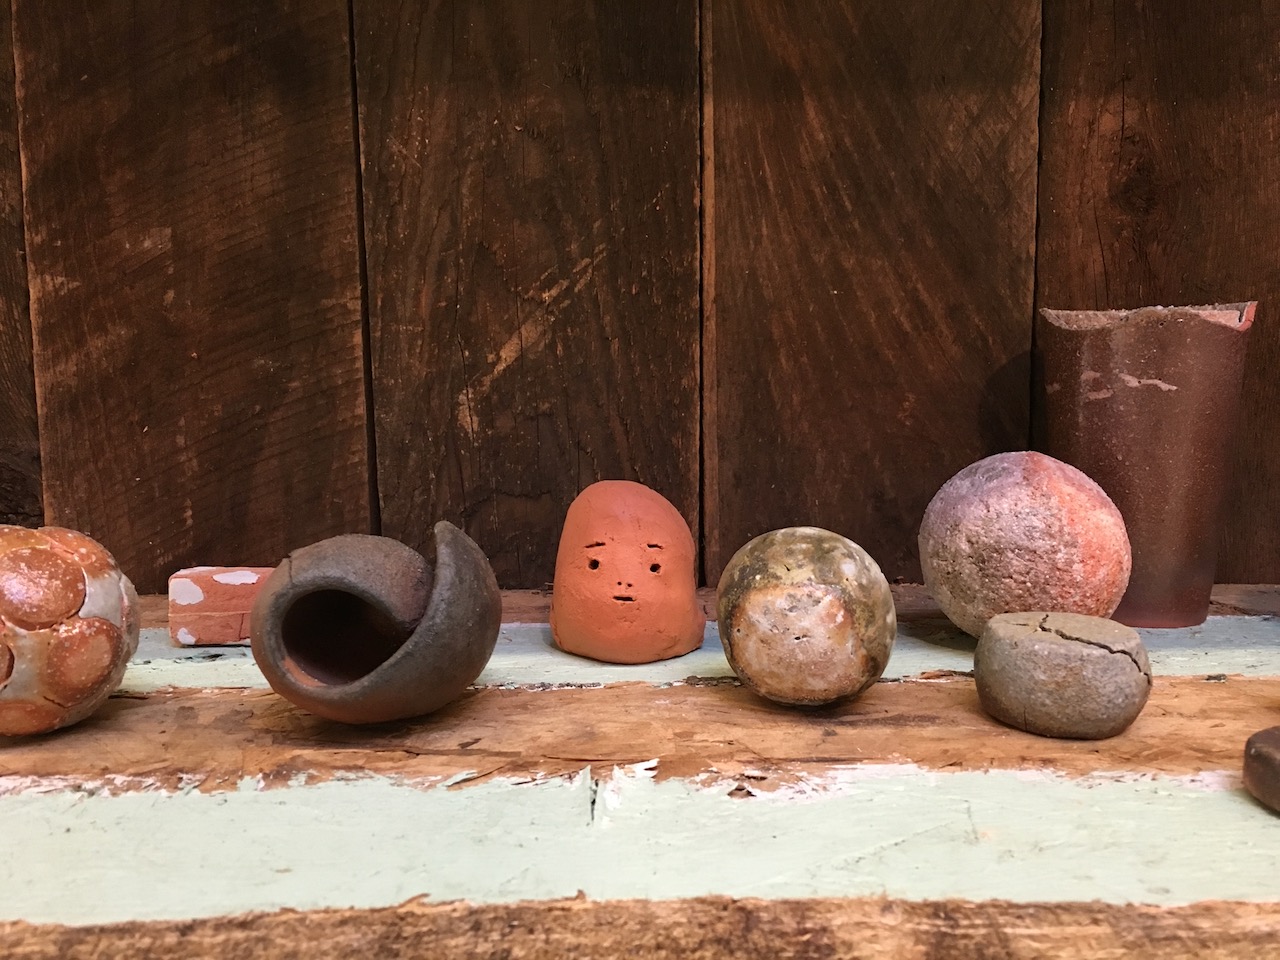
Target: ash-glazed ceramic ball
{"points": [[68, 626], [1022, 531], [806, 616]]}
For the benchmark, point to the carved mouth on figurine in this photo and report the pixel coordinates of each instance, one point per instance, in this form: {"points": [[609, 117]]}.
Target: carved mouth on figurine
{"points": [[625, 599]]}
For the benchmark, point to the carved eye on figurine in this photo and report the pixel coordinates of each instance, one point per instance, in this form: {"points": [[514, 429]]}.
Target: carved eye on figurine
{"points": [[642, 605]]}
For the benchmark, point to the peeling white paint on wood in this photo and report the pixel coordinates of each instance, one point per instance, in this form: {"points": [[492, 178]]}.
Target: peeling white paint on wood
{"points": [[1248, 646], [76, 858]]}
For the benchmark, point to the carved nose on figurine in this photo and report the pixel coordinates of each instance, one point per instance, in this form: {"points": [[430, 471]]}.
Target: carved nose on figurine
{"points": [[364, 629]]}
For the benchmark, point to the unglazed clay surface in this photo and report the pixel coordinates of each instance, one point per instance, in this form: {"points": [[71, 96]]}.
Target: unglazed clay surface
{"points": [[1062, 674], [625, 587], [1145, 402], [806, 616], [68, 626], [364, 629], [1022, 531]]}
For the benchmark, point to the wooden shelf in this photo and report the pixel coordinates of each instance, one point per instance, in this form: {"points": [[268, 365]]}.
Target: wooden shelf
{"points": [[563, 807]]}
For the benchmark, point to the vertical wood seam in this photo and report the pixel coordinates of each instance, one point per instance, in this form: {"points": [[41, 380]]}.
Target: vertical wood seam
{"points": [[366, 336], [708, 434], [26, 246], [1032, 404]]}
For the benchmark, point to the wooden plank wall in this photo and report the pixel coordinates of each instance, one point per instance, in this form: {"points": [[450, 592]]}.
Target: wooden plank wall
{"points": [[873, 224], [190, 193], [297, 268], [531, 186]]}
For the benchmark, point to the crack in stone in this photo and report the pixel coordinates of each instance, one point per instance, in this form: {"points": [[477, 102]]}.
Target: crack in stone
{"points": [[1042, 628]]}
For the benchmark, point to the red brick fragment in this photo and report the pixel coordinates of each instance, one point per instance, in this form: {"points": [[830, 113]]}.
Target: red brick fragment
{"points": [[210, 605]]}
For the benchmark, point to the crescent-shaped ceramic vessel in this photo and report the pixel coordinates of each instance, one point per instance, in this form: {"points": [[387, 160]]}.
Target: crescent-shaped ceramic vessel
{"points": [[364, 629]]}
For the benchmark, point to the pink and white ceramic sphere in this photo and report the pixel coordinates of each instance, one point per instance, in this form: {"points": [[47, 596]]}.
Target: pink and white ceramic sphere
{"points": [[1023, 531], [68, 626]]}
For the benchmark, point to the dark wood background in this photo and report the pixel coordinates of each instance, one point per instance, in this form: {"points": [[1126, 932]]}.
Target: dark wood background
{"points": [[276, 270]]}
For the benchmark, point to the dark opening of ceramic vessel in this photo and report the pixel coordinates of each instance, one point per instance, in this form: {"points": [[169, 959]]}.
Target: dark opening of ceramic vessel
{"points": [[336, 637]]}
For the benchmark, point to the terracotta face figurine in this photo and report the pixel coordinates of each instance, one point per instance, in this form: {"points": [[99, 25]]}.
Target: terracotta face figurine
{"points": [[625, 587]]}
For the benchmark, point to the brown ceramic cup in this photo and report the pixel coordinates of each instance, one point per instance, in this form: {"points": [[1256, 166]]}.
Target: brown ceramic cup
{"points": [[1145, 402], [364, 629]]}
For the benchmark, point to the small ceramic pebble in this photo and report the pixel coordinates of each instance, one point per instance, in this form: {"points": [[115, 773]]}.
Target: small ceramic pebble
{"points": [[1022, 531], [68, 626], [806, 616], [1062, 674], [1262, 767]]}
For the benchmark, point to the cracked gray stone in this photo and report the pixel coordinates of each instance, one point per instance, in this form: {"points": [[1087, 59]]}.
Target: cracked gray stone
{"points": [[1062, 674]]}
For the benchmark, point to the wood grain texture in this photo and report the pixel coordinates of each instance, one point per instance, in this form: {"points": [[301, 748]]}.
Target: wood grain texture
{"points": [[869, 303], [530, 184], [1160, 184], [191, 225], [19, 435], [694, 929], [213, 739]]}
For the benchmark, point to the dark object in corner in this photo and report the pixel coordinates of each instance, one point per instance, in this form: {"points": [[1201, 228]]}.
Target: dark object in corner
{"points": [[1262, 767]]}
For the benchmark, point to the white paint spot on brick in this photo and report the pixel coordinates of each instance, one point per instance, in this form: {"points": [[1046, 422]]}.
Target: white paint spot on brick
{"points": [[237, 577], [186, 637], [185, 592]]}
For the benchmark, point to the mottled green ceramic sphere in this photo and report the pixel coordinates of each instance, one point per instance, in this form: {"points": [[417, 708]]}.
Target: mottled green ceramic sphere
{"points": [[806, 616]]}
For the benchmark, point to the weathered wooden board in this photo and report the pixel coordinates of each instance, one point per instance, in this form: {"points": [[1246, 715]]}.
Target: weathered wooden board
{"points": [[1160, 184], [694, 929], [531, 207], [19, 436], [870, 230], [173, 814], [216, 738], [191, 224]]}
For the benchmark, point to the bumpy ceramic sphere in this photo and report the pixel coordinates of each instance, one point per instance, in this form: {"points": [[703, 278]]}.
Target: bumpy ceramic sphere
{"points": [[1062, 674], [68, 626], [1022, 531], [806, 616]]}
